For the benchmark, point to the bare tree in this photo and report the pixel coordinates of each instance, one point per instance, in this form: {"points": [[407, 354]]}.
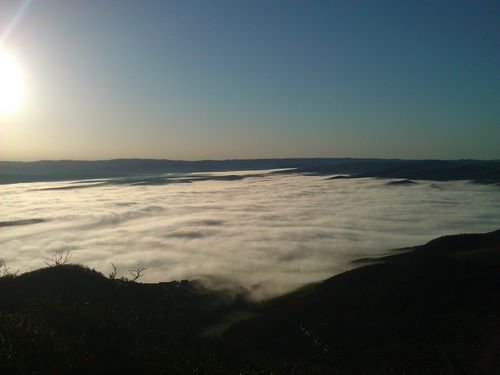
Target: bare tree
{"points": [[137, 273], [58, 259], [112, 274], [5, 270]]}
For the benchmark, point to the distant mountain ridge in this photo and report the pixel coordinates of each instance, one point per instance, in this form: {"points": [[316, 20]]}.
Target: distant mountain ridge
{"points": [[442, 170]]}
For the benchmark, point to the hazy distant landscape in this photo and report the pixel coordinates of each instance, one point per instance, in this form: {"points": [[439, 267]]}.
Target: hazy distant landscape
{"points": [[161, 170]]}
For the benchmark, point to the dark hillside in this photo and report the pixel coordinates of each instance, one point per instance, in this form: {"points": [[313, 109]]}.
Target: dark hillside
{"points": [[433, 309], [70, 319]]}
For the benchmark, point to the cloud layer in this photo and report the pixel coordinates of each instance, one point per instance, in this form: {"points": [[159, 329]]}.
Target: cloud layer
{"points": [[269, 233]]}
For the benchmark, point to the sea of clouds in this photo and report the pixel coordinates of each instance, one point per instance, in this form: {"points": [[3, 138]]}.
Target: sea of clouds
{"points": [[269, 233]]}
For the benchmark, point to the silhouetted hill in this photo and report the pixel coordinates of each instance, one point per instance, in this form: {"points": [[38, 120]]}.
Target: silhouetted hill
{"points": [[12, 172], [453, 171], [438, 170], [72, 320], [433, 309], [53, 170]]}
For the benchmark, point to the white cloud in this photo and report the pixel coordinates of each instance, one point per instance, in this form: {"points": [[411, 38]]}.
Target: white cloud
{"points": [[273, 233]]}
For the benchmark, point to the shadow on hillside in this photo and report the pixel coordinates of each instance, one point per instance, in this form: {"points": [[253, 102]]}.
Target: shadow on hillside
{"points": [[433, 310]]}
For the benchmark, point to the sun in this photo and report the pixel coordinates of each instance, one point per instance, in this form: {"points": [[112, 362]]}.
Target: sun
{"points": [[11, 84]]}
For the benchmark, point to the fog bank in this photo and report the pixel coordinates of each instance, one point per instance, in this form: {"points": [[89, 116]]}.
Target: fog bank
{"points": [[268, 233]]}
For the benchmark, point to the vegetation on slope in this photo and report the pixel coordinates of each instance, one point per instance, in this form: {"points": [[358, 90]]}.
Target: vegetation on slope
{"points": [[433, 310]]}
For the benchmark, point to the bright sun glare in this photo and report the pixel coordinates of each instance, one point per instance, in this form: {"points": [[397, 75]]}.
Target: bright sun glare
{"points": [[11, 84]]}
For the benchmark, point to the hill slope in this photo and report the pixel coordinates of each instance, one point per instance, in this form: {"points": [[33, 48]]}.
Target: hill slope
{"points": [[433, 309]]}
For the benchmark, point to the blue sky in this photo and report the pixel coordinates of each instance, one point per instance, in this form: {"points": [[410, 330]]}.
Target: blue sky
{"points": [[249, 79]]}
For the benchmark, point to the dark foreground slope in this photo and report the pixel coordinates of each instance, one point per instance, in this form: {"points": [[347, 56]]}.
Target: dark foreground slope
{"points": [[72, 320], [433, 310]]}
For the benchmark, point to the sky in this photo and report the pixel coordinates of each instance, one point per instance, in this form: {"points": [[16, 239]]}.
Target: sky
{"points": [[253, 79]]}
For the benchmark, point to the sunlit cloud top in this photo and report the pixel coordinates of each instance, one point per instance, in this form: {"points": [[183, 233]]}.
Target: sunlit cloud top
{"points": [[268, 233]]}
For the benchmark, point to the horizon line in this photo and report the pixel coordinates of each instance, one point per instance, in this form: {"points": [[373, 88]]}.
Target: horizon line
{"points": [[247, 159]]}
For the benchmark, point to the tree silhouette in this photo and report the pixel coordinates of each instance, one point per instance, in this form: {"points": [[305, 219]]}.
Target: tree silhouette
{"points": [[58, 259], [5, 270], [137, 272]]}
